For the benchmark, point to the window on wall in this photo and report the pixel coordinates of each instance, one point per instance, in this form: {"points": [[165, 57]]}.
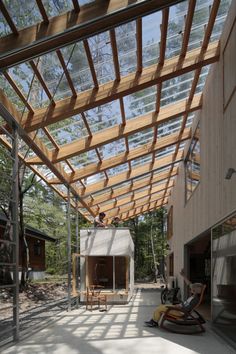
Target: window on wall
{"points": [[170, 223], [192, 164], [37, 248]]}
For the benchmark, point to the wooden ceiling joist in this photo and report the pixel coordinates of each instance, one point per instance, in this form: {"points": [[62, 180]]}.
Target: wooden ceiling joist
{"points": [[90, 62], [133, 186], [141, 209], [114, 90], [164, 28], [114, 161], [139, 45], [188, 26], [129, 175], [95, 17], [115, 53], [66, 72], [134, 197], [9, 112], [42, 82], [133, 205], [117, 132], [42, 11]]}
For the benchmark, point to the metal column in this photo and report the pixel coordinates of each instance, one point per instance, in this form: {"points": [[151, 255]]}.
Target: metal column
{"points": [[69, 248], [14, 214]]}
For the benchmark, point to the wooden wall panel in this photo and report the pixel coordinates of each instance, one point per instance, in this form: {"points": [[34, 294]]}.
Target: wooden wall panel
{"points": [[215, 197]]}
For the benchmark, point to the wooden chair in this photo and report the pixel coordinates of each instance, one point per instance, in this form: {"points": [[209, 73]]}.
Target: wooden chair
{"points": [[95, 297], [187, 318]]}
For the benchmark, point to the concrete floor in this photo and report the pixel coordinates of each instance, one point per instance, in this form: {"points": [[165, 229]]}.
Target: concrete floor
{"points": [[119, 330]]}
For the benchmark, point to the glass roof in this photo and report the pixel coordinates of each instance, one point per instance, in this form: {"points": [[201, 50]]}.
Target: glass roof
{"points": [[53, 78]]}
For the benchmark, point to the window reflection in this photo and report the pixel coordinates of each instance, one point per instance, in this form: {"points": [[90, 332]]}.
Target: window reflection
{"points": [[224, 277], [192, 164]]}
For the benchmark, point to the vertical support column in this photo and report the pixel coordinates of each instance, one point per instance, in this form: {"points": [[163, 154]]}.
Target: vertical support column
{"points": [[114, 273], [14, 221], [69, 248], [77, 260]]}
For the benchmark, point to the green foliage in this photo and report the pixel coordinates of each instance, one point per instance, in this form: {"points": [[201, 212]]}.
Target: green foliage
{"points": [[142, 228]]}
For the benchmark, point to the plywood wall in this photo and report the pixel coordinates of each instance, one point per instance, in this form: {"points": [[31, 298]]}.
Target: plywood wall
{"points": [[215, 197]]}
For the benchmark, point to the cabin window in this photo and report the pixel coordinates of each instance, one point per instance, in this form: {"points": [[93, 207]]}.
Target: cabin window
{"points": [[37, 248]]}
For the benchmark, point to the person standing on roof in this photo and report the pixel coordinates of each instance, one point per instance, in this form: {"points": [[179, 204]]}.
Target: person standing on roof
{"points": [[98, 221]]}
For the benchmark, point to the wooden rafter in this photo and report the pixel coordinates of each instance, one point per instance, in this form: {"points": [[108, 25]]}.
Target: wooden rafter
{"points": [[66, 72], [132, 205], [115, 53], [8, 18], [8, 110], [117, 132], [70, 27], [129, 84], [42, 11], [119, 159], [157, 190], [129, 175], [90, 62], [139, 45], [42, 82], [133, 186], [145, 209], [188, 25], [76, 5], [164, 27]]}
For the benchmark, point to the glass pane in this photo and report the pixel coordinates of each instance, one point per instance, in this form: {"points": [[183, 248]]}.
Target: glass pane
{"points": [[126, 47], [224, 277], [54, 8], [151, 38]]}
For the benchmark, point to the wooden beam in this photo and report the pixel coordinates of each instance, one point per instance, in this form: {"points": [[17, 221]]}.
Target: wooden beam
{"points": [[164, 28], [117, 132], [133, 186], [95, 17], [91, 64], [146, 209], [135, 204], [187, 29], [114, 161], [139, 45], [8, 18], [115, 53], [76, 5], [42, 11], [134, 197], [129, 175], [42, 82], [9, 113], [66, 72], [131, 83]]}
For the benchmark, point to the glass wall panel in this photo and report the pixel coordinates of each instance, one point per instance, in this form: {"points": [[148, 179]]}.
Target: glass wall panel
{"points": [[224, 277]]}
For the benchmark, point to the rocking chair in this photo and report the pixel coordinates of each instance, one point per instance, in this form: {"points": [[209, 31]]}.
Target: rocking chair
{"points": [[185, 319]]}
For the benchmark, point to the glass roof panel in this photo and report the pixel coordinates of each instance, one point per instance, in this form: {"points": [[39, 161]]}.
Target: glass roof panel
{"points": [[4, 27], [104, 116], [119, 169], [68, 130], [141, 161], [151, 35], [24, 13], [112, 149], [101, 51], [54, 8], [77, 64], [84, 159], [11, 94], [176, 23], [47, 173], [140, 138], [126, 47], [41, 134], [93, 179], [140, 102], [169, 127]]}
